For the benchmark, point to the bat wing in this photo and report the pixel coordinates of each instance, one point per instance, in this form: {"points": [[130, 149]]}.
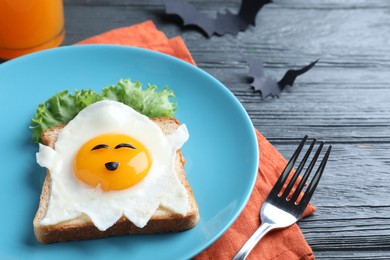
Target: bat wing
{"points": [[262, 83], [234, 23], [229, 23], [190, 15], [290, 76], [256, 68], [267, 87], [250, 8]]}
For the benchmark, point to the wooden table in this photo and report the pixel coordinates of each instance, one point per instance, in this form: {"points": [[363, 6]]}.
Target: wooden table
{"points": [[343, 100]]}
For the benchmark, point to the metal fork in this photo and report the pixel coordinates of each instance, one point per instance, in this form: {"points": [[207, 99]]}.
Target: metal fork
{"points": [[281, 209]]}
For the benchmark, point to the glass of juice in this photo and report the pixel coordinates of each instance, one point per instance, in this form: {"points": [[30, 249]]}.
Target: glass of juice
{"points": [[30, 25]]}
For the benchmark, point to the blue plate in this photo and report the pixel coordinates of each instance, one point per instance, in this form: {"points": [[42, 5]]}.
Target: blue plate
{"points": [[222, 155]]}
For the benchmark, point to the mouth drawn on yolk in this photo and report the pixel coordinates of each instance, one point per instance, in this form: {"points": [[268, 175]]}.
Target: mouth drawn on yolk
{"points": [[112, 161]]}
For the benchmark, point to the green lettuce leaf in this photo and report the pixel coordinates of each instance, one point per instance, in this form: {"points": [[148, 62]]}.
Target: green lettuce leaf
{"points": [[64, 106]]}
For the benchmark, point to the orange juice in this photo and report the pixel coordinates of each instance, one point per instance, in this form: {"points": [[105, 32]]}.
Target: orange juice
{"points": [[30, 25]]}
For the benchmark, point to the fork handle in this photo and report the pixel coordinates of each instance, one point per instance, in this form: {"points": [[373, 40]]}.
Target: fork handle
{"points": [[252, 241]]}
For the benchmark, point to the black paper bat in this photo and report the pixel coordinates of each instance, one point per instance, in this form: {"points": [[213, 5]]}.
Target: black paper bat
{"points": [[223, 23], [268, 86]]}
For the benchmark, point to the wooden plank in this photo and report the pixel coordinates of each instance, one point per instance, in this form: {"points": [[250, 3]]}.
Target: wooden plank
{"points": [[344, 99]]}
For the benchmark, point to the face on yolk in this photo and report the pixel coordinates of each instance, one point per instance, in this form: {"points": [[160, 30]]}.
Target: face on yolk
{"points": [[112, 161]]}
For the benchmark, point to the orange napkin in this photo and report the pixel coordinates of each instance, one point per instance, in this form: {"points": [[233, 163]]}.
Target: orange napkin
{"points": [[144, 35], [286, 243]]}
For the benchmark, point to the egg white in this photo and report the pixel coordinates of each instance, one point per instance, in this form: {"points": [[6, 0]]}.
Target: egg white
{"points": [[70, 197]]}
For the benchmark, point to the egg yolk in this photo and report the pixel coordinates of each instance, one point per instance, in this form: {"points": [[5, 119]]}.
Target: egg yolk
{"points": [[112, 162]]}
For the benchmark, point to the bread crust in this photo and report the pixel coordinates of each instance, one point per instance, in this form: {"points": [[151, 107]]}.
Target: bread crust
{"points": [[82, 228]]}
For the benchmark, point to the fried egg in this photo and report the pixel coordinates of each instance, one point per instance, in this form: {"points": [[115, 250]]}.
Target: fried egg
{"points": [[111, 161]]}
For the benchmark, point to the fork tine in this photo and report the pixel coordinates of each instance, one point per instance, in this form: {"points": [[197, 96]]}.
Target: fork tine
{"points": [[314, 182], [298, 171], [309, 169], [283, 177]]}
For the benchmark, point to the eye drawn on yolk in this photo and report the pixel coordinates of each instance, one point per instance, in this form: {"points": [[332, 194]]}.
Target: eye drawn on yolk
{"points": [[112, 161]]}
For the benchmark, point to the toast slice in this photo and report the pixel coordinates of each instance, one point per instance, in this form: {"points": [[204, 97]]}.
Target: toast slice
{"points": [[82, 228]]}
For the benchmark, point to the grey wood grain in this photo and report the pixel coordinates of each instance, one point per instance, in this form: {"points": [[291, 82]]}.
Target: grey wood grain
{"points": [[343, 100]]}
